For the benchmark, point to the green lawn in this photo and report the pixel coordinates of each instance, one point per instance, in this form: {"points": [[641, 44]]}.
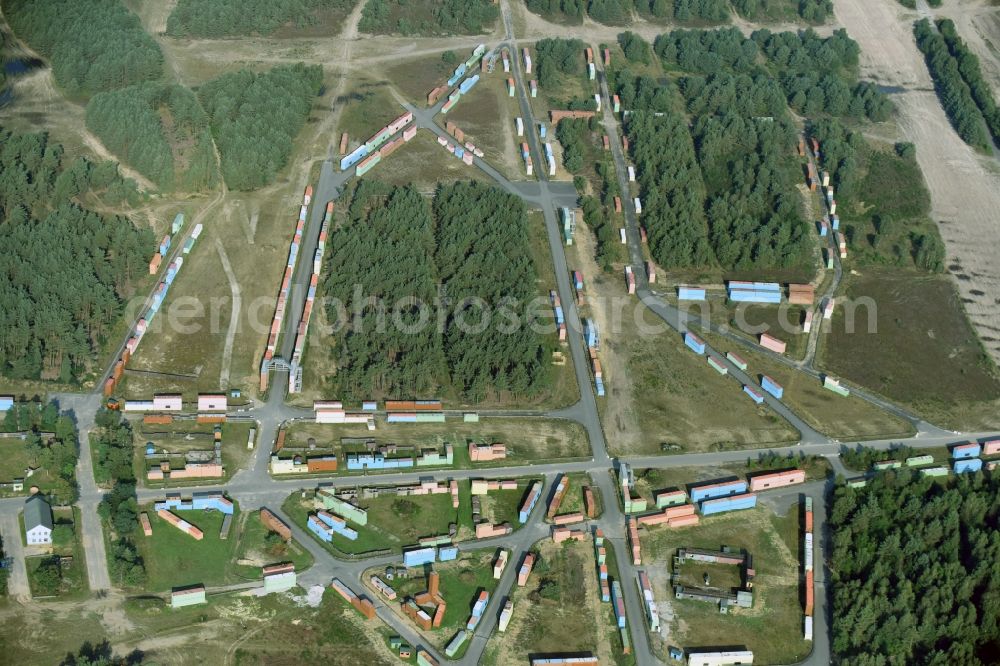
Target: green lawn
{"points": [[503, 506], [773, 627], [174, 559], [71, 580], [253, 547], [393, 522]]}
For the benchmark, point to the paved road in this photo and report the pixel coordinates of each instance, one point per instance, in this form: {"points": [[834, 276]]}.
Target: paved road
{"points": [[253, 487], [10, 531], [83, 408], [613, 521]]}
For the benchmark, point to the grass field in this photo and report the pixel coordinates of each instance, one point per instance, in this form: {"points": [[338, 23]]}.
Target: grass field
{"points": [[367, 106], [782, 322], [14, 459], [503, 506], [923, 353], [559, 611], [564, 390], [528, 440], [486, 120], [174, 559], [460, 582], [424, 164], [415, 77], [393, 522], [831, 414], [253, 548], [681, 400], [773, 627], [65, 543], [180, 437]]}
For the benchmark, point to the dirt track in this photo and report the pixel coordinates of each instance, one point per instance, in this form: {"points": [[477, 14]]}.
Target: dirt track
{"points": [[964, 186]]}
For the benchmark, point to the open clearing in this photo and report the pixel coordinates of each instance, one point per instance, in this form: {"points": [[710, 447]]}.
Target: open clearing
{"points": [[393, 521], [486, 119], [174, 559], [923, 354], [528, 440], [964, 186], [681, 400], [773, 627], [253, 552], [559, 610], [831, 414]]}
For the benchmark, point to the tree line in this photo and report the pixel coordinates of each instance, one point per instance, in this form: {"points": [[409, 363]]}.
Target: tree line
{"points": [[568, 11], [686, 11], [754, 212], [129, 121], [968, 67], [469, 246], [119, 509], [635, 48], [448, 17], [255, 118], [811, 11], [484, 256], [65, 271], [914, 570], [235, 18], [92, 46], [817, 74]]}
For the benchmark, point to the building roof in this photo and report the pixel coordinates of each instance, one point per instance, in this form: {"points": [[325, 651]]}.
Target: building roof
{"points": [[37, 512]]}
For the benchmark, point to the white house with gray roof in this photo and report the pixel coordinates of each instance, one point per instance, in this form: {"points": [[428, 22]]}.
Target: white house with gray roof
{"points": [[37, 521]]}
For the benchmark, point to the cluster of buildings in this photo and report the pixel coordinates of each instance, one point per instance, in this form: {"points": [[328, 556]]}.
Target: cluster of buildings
{"points": [[209, 501], [331, 517], [674, 510], [741, 597], [199, 464], [209, 404]]}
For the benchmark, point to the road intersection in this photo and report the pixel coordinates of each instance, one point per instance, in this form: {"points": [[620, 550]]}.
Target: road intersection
{"points": [[254, 487]]}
